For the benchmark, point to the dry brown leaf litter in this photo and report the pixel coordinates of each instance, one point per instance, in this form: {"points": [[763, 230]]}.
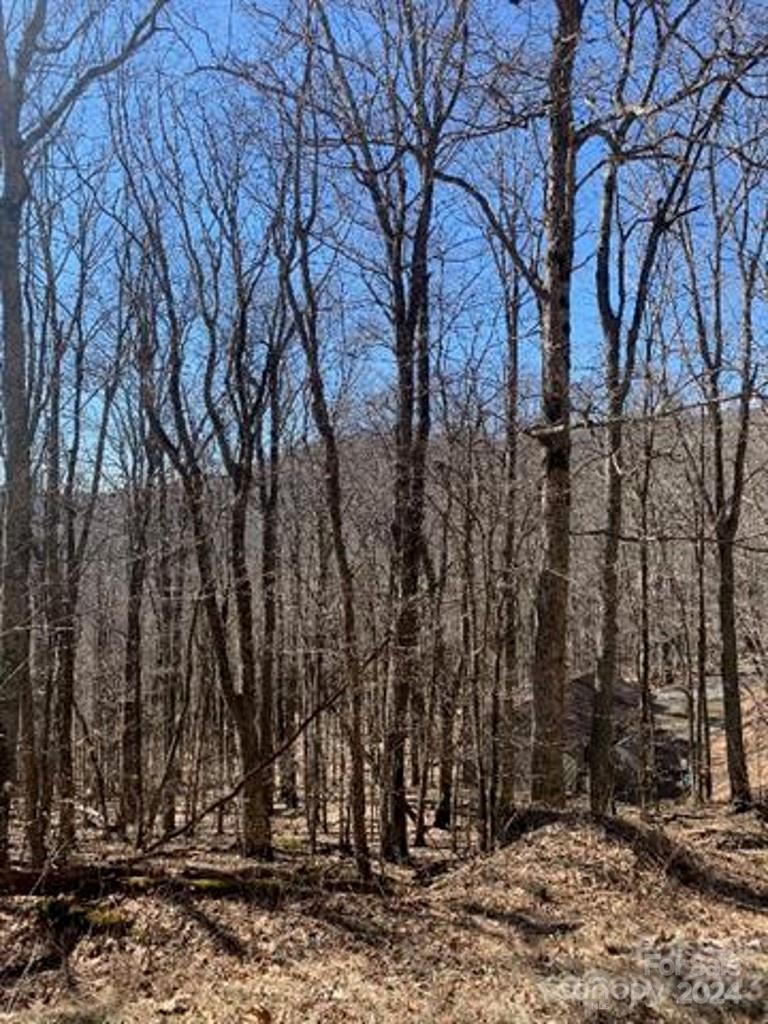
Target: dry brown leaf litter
{"points": [[480, 944]]}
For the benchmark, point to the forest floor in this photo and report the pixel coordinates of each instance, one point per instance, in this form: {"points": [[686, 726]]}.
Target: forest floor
{"points": [[565, 924]]}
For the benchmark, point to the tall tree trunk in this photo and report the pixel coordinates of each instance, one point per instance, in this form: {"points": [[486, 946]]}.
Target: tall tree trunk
{"points": [[15, 680], [704, 781], [269, 469], [647, 743], [23, 67], [550, 648], [257, 832], [601, 754], [65, 697], [307, 323], [647, 730], [505, 802], [173, 696], [132, 781], [738, 776], [411, 437]]}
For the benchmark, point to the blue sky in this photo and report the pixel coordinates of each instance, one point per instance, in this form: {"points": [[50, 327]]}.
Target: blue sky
{"points": [[221, 26]]}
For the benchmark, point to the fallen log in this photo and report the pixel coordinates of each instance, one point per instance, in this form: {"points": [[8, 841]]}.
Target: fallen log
{"points": [[93, 881], [682, 864], [79, 879], [651, 845]]}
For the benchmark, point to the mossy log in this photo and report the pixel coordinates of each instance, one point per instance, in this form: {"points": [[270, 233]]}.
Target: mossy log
{"points": [[266, 883]]}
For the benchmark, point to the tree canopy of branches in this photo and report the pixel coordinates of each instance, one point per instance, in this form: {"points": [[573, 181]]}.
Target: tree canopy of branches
{"points": [[383, 416]]}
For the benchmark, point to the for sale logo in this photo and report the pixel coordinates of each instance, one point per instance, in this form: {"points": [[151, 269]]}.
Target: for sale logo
{"points": [[706, 973]]}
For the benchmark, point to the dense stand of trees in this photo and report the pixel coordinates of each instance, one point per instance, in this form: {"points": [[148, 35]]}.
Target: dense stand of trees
{"points": [[372, 371]]}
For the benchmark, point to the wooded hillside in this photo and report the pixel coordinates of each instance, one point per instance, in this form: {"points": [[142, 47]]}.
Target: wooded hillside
{"points": [[383, 425]]}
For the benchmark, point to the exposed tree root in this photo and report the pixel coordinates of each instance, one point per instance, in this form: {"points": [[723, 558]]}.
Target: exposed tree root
{"points": [[529, 819], [270, 886], [650, 845], [530, 926]]}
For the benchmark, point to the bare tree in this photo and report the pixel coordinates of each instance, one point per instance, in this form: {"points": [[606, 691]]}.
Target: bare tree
{"points": [[551, 645], [294, 231], [245, 342], [32, 33], [138, 456], [72, 333], [391, 144], [738, 222], [622, 300]]}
